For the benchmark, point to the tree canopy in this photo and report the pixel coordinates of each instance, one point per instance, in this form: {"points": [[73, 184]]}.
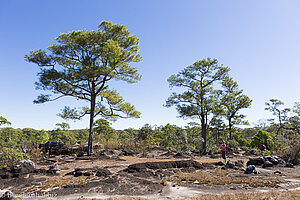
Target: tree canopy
{"points": [[4, 121], [198, 99], [81, 64], [232, 101]]}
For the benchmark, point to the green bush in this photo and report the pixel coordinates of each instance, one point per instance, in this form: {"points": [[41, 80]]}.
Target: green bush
{"points": [[269, 139], [10, 156], [240, 139], [261, 137], [266, 153]]}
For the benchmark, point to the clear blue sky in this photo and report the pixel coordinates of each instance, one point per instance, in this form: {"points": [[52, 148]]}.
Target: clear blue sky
{"points": [[258, 39]]}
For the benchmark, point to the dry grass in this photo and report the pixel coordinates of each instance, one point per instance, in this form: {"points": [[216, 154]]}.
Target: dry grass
{"points": [[56, 182], [220, 177], [270, 195], [132, 159], [213, 160]]}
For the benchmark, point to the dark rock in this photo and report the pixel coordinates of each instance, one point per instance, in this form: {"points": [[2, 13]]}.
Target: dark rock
{"points": [[19, 170], [256, 161], [128, 153], [80, 154], [5, 175], [78, 172], [230, 164], [251, 170], [103, 173], [88, 173], [24, 167], [142, 167], [268, 164], [220, 163], [188, 163], [272, 159], [82, 172], [289, 165], [277, 172]]}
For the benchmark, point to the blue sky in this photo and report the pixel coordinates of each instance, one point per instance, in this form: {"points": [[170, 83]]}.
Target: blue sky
{"points": [[258, 39]]}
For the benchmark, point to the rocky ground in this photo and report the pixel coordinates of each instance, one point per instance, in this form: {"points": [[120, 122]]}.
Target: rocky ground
{"points": [[156, 174]]}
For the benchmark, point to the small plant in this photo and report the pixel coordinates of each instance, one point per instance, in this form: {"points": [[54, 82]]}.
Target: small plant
{"points": [[266, 153]]}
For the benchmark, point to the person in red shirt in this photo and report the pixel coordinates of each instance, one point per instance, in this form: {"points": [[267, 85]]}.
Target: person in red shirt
{"points": [[223, 150]]}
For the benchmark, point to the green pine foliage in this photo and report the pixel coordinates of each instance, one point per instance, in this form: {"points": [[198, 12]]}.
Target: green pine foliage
{"points": [[82, 64], [10, 156]]}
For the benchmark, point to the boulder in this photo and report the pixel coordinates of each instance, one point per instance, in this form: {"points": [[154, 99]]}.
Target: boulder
{"points": [[234, 164], [251, 170], [268, 164], [256, 161], [289, 165], [140, 167], [272, 159], [19, 170], [103, 173]]}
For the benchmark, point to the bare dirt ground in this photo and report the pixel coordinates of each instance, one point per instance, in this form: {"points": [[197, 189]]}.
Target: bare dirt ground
{"points": [[155, 177]]}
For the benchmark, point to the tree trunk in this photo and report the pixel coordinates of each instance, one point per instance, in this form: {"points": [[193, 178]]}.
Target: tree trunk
{"points": [[91, 132], [230, 126], [217, 136], [203, 130]]}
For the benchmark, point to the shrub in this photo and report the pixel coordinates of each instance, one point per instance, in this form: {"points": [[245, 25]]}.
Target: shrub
{"points": [[241, 140], [266, 153], [294, 152], [11, 156], [261, 137]]}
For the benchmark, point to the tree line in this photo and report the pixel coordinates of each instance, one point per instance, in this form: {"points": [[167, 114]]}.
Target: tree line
{"points": [[280, 136]]}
